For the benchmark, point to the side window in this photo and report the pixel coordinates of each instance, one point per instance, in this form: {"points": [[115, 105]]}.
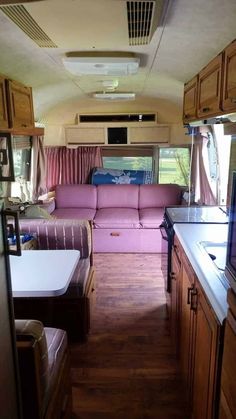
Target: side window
{"points": [[174, 165], [22, 152]]}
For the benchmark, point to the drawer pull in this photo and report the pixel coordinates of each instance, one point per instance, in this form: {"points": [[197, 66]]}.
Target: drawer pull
{"points": [[205, 109], [190, 289], [115, 234]]}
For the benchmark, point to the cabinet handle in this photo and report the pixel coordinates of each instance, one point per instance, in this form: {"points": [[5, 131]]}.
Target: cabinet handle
{"points": [[205, 110], [24, 125], [173, 276], [193, 303], [114, 234], [190, 289], [233, 99], [186, 115]]}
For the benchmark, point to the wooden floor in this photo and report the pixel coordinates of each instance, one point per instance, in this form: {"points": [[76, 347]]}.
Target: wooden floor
{"points": [[127, 369]]}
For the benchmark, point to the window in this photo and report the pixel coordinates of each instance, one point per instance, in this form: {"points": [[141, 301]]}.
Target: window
{"points": [[174, 165], [128, 158], [223, 144], [22, 167]]}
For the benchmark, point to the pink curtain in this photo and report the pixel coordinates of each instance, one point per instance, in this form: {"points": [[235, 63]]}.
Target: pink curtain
{"points": [[70, 165], [201, 185], [38, 168]]}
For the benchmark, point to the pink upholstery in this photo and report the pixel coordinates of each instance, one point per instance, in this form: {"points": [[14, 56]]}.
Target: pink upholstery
{"points": [[117, 196], [117, 218], [126, 218], [136, 240], [151, 217], [156, 196], [76, 196], [75, 213]]}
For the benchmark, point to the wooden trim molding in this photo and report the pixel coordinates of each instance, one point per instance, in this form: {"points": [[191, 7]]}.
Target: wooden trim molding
{"points": [[25, 131]]}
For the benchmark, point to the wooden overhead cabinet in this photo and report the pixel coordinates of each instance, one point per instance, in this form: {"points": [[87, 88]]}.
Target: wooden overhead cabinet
{"points": [[190, 100], [3, 104], [229, 85], [20, 105], [209, 88]]}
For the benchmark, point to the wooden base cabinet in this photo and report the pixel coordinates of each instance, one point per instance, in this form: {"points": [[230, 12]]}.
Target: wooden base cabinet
{"points": [[199, 343], [228, 375], [206, 359]]}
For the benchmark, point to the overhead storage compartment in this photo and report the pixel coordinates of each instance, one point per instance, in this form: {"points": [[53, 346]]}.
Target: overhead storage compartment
{"points": [[77, 135]]}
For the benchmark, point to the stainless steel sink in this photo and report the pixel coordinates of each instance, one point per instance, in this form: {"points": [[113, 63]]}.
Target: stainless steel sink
{"points": [[216, 252]]}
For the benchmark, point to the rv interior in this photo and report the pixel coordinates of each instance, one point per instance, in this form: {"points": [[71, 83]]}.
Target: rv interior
{"points": [[118, 196]]}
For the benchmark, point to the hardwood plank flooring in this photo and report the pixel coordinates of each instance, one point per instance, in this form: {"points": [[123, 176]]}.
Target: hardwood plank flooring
{"points": [[127, 369]]}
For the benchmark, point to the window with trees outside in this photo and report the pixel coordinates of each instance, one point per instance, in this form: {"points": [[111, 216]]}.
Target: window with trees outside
{"points": [[174, 165], [128, 158]]}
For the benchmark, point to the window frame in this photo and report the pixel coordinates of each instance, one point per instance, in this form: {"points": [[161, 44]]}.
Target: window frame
{"points": [[187, 146]]}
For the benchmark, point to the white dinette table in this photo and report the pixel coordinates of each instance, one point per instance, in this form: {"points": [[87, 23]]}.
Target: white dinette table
{"points": [[42, 273]]}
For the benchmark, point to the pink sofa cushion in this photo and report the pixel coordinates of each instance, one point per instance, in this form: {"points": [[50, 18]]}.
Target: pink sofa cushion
{"points": [[151, 217], [76, 196], [117, 218], [75, 213], [117, 196], [154, 196]]}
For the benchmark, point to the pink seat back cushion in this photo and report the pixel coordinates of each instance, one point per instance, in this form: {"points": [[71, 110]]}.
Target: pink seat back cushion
{"points": [[155, 196], [76, 196], [118, 196]]}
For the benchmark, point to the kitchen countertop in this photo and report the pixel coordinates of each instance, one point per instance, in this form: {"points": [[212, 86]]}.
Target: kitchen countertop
{"points": [[190, 236]]}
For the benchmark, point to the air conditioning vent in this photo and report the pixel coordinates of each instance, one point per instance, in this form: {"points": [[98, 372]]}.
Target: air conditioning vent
{"points": [[20, 16], [143, 117], [143, 19]]}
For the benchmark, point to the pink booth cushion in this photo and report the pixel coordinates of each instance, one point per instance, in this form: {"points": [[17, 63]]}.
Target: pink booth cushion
{"points": [[117, 218], [117, 196], [151, 217], [159, 196], [76, 213], [76, 196]]}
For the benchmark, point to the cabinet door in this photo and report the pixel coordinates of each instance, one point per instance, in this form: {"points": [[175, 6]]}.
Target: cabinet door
{"points": [[89, 136], [3, 104], [209, 88], [187, 321], [21, 114], [174, 296], [228, 376], [149, 135], [190, 100], [229, 85], [206, 354]]}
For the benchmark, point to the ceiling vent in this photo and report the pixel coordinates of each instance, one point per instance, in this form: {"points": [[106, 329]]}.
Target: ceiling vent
{"points": [[114, 96], [20, 16], [143, 19], [107, 65]]}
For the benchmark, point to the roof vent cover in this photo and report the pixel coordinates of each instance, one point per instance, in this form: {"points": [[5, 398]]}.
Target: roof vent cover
{"points": [[21, 17], [143, 18]]}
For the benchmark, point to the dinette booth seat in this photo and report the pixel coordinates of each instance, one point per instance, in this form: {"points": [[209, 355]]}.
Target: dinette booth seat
{"points": [[70, 311], [44, 370]]}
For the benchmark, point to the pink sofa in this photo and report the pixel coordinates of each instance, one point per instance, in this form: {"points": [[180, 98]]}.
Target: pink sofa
{"points": [[126, 218]]}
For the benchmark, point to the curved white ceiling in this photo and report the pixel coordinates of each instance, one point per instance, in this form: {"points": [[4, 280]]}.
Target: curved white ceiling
{"points": [[191, 34]]}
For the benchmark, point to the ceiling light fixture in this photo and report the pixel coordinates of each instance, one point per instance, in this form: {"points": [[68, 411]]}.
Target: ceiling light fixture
{"points": [[101, 65], [114, 95]]}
